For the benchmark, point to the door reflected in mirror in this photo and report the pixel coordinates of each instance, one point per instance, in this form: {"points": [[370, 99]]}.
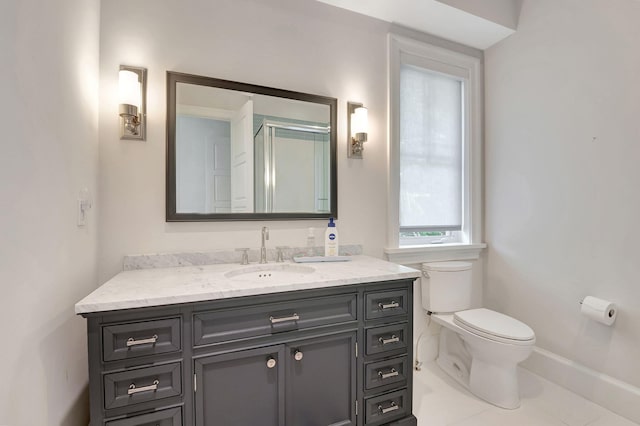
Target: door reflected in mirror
{"points": [[240, 151]]}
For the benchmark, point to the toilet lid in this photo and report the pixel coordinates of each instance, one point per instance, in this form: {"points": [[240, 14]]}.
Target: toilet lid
{"points": [[492, 325]]}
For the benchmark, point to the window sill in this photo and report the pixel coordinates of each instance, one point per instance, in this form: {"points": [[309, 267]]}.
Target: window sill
{"points": [[434, 253]]}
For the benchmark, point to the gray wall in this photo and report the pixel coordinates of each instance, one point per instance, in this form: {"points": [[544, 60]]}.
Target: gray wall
{"points": [[301, 45], [49, 120], [562, 198]]}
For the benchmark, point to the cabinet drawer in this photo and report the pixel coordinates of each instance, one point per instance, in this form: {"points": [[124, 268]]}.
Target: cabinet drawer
{"points": [[386, 372], [169, 417], [387, 338], [263, 320], [385, 304], [387, 407], [135, 339], [138, 385]]}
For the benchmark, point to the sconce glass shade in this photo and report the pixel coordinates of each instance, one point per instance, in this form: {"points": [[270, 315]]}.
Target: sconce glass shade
{"points": [[359, 121], [132, 87], [129, 91]]}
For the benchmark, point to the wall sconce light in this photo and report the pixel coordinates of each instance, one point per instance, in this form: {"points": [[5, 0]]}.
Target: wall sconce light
{"points": [[357, 123], [132, 89]]}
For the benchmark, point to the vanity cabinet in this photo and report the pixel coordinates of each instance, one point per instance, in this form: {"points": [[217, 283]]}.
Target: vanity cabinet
{"points": [[242, 387], [310, 382], [338, 356]]}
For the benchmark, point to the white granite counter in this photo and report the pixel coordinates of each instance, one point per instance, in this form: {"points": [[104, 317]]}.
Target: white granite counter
{"points": [[167, 286]]}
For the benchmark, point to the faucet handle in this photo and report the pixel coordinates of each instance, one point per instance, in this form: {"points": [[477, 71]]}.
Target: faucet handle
{"points": [[245, 255], [280, 254]]}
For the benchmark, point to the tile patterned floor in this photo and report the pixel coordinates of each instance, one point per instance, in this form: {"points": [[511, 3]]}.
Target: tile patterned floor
{"points": [[440, 401]]}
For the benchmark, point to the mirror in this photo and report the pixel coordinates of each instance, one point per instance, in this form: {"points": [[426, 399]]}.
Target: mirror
{"points": [[238, 151]]}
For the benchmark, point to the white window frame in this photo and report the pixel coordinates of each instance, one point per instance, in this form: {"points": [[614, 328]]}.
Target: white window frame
{"points": [[457, 64]]}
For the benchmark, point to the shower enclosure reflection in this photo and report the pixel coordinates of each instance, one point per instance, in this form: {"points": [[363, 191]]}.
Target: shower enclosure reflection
{"points": [[236, 153], [290, 159]]}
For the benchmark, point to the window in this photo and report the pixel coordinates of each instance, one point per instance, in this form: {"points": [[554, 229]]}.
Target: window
{"points": [[431, 142], [435, 146]]}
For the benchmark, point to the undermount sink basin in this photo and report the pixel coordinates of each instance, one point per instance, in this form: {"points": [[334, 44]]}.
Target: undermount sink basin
{"points": [[271, 272]]}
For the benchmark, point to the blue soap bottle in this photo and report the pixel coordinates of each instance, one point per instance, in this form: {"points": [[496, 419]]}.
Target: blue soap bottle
{"points": [[331, 239]]}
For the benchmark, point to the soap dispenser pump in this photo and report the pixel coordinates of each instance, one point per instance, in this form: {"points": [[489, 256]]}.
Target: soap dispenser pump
{"points": [[331, 239]]}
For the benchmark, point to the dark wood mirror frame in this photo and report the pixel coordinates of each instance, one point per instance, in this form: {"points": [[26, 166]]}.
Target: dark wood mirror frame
{"points": [[171, 203]]}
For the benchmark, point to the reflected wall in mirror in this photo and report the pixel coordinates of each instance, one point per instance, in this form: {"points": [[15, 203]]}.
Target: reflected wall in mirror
{"points": [[237, 151]]}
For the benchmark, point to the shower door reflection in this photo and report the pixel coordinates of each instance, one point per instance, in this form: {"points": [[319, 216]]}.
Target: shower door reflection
{"points": [[291, 163]]}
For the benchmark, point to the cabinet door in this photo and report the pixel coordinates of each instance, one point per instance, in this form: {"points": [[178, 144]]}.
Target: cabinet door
{"points": [[321, 381], [243, 388]]}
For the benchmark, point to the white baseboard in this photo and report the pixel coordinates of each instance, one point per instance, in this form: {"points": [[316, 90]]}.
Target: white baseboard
{"points": [[613, 394]]}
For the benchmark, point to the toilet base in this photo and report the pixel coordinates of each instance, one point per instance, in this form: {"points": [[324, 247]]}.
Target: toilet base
{"points": [[496, 384], [454, 360]]}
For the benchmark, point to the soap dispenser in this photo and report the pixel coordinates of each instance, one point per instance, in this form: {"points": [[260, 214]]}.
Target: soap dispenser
{"points": [[311, 242], [331, 239]]}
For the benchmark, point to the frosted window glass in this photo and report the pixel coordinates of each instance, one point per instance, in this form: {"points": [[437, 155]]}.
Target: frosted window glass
{"points": [[430, 150]]}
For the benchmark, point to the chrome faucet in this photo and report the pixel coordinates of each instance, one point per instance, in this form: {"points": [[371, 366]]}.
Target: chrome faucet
{"points": [[263, 249]]}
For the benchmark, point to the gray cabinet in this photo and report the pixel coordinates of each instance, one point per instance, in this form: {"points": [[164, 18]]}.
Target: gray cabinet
{"points": [[311, 382], [140, 338], [387, 343], [169, 417], [337, 356], [136, 385], [321, 381], [224, 325], [242, 388]]}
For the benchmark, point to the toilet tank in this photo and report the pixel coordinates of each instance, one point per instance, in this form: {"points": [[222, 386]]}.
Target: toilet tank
{"points": [[446, 286]]}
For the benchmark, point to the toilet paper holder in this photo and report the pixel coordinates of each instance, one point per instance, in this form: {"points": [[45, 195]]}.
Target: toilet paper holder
{"points": [[600, 310]]}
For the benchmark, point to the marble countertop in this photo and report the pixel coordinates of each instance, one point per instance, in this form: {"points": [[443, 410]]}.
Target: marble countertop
{"points": [[185, 284]]}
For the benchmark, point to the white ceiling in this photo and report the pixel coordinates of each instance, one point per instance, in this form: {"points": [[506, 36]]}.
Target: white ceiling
{"points": [[470, 27]]}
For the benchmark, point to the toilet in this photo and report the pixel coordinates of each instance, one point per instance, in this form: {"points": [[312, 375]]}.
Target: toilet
{"points": [[479, 348]]}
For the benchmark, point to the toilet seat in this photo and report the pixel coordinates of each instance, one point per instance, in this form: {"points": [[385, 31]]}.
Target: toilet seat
{"points": [[495, 326]]}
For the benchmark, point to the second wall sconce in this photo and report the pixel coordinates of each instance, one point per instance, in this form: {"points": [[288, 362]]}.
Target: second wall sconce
{"points": [[357, 123], [132, 91]]}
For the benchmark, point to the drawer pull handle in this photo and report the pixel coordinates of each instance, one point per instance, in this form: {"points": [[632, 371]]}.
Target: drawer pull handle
{"points": [[392, 339], [294, 317], [392, 407], [392, 373], [133, 389], [133, 342], [298, 355], [392, 305]]}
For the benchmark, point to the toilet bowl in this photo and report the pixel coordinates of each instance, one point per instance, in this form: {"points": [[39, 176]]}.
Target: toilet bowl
{"points": [[480, 348], [482, 359]]}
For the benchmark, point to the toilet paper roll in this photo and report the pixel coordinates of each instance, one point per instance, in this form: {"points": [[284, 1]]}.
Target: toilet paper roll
{"points": [[600, 310]]}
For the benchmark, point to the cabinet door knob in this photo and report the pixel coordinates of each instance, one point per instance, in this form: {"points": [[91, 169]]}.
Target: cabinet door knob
{"points": [[298, 355], [271, 362]]}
